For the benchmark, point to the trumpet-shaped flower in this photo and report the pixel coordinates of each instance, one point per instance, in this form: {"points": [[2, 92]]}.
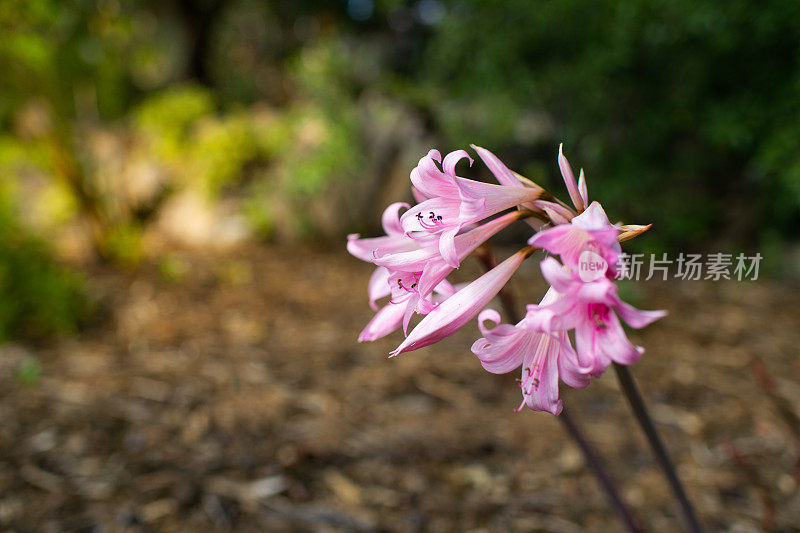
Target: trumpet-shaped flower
{"points": [[452, 314], [412, 276], [544, 357], [427, 262], [403, 304], [591, 308], [454, 202]]}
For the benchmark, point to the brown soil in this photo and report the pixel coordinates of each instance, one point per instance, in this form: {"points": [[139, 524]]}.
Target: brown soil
{"points": [[237, 399]]}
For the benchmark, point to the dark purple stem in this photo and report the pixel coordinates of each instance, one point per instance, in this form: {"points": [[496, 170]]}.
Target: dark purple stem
{"points": [[662, 457], [596, 465]]}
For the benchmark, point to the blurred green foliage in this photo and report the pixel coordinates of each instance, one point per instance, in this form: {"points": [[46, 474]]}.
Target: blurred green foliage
{"points": [[685, 114], [37, 296]]}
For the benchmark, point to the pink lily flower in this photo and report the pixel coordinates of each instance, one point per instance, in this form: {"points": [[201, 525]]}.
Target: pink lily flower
{"points": [[396, 313], [412, 276], [429, 265], [452, 314], [544, 357], [394, 241], [454, 202], [589, 231], [591, 308]]}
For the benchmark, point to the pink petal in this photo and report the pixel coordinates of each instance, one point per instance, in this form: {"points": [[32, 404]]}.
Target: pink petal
{"points": [[615, 344], [557, 213], [637, 318], [501, 172], [378, 286], [601, 291], [502, 348], [450, 160], [418, 196], [497, 197], [569, 179], [543, 319], [456, 311], [366, 249], [589, 354], [544, 396], [447, 247], [412, 261], [488, 315], [568, 368], [472, 210], [385, 321], [557, 276], [551, 296], [433, 267], [582, 188], [536, 224], [433, 274], [425, 305], [436, 269], [411, 306], [444, 289], [431, 181], [466, 243], [594, 218], [447, 208], [566, 240], [390, 220]]}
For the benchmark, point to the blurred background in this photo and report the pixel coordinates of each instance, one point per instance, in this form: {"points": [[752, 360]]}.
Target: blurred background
{"points": [[178, 315]]}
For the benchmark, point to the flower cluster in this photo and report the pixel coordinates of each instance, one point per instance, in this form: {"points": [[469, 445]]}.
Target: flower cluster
{"points": [[425, 243]]}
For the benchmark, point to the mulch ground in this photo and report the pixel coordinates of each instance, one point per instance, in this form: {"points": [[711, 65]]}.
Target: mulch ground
{"points": [[234, 397]]}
